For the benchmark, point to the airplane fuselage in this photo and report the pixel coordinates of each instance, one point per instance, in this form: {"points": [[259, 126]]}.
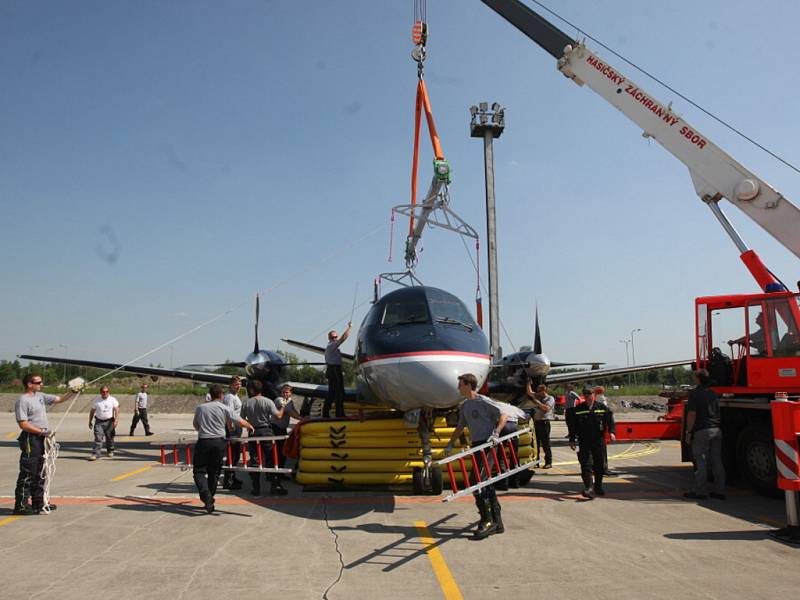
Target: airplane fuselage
{"points": [[412, 346]]}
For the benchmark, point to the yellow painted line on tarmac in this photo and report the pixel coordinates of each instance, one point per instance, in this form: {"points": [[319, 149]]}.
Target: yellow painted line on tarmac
{"points": [[443, 574], [764, 518], [11, 435], [8, 520], [629, 452], [136, 472]]}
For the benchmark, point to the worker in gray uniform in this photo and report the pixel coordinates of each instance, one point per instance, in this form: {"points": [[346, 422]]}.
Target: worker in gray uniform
{"points": [[140, 411], [211, 420], [280, 425], [485, 422], [30, 410], [232, 401], [258, 409], [333, 372]]}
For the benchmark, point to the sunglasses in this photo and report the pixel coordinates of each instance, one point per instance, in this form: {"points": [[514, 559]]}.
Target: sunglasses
{"points": [[37, 382]]}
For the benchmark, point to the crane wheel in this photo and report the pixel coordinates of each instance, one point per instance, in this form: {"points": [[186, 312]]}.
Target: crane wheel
{"points": [[755, 458]]}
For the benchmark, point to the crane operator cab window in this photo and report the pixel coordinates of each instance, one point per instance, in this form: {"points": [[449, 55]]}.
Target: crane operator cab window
{"points": [[779, 319], [731, 336]]}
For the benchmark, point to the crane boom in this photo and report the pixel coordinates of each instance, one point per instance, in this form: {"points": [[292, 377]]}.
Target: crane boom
{"points": [[715, 174]]}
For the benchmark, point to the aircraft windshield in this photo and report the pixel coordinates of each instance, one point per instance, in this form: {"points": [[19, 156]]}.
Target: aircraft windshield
{"points": [[405, 312], [446, 308]]}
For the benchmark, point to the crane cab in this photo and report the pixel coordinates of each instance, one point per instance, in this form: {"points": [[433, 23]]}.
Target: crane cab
{"points": [[750, 344]]}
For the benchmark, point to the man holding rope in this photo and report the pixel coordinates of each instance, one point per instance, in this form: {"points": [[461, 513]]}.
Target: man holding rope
{"points": [[31, 413], [333, 371]]}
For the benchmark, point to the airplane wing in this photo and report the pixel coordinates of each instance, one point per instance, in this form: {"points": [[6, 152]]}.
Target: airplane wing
{"points": [[595, 374], [313, 348], [594, 364], [153, 371]]}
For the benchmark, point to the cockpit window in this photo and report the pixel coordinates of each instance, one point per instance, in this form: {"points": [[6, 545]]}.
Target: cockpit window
{"points": [[405, 312], [373, 316], [446, 308]]}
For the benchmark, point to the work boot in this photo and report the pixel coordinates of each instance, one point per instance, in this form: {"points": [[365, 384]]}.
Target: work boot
{"points": [[484, 510], [22, 509], [498, 521], [131, 433], [149, 433], [37, 510], [487, 526]]}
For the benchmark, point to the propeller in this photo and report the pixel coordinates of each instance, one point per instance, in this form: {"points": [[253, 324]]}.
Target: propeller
{"points": [[258, 310], [537, 338], [240, 365]]}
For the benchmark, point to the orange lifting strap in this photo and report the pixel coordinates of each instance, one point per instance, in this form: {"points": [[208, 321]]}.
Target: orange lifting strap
{"points": [[422, 101]]}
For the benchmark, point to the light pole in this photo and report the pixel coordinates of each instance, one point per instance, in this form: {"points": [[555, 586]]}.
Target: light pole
{"points": [[627, 356], [489, 124], [633, 352]]}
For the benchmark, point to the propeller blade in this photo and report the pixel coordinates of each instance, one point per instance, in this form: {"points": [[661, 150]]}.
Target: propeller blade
{"points": [[258, 310], [240, 365], [537, 338]]}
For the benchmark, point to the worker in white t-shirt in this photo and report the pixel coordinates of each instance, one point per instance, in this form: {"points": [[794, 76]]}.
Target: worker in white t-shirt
{"points": [[105, 412], [140, 411]]}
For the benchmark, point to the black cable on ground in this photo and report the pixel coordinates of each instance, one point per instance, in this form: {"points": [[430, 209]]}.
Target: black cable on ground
{"points": [[338, 551]]}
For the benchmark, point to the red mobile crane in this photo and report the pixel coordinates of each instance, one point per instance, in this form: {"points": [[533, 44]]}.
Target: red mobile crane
{"points": [[761, 331]]}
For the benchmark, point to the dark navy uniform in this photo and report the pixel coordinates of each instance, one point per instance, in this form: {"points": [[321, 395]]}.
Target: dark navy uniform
{"points": [[588, 423]]}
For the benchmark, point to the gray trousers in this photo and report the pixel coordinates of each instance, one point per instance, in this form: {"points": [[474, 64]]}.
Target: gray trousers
{"points": [[707, 445], [103, 431]]}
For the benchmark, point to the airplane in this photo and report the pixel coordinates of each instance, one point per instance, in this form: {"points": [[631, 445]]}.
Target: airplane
{"points": [[415, 341], [411, 347]]}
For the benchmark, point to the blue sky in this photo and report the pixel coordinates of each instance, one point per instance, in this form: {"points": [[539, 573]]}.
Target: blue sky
{"points": [[160, 162]]}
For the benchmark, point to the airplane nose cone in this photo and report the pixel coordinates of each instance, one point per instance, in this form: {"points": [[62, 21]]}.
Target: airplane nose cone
{"points": [[538, 365], [257, 363]]}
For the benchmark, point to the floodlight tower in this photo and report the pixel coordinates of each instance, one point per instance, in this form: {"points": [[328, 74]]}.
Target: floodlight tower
{"points": [[489, 124]]}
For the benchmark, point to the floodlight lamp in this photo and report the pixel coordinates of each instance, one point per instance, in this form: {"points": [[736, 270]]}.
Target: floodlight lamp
{"points": [[484, 106], [484, 119], [495, 117], [473, 110], [495, 106]]}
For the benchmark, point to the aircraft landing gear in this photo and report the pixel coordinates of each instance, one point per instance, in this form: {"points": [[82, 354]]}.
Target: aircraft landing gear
{"points": [[428, 478]]}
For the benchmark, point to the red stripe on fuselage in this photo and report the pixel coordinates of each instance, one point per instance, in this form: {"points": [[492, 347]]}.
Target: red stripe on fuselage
{"points": [[425, 353]]}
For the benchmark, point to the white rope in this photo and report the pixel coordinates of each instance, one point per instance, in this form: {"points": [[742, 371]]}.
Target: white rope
{"points": [[51, 446]]}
